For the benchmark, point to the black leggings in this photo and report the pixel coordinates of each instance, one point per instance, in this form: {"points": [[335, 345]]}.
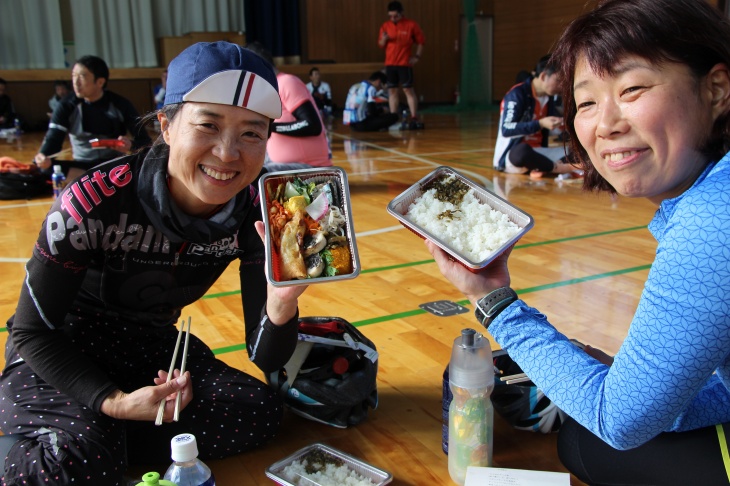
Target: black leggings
{"points": [[672, 458], [522, 155], [375, 123], [67, 443]]}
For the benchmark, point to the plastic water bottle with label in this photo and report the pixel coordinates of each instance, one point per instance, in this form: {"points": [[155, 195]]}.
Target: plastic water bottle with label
{"points": [[471, 416], [58, 180], [187, 469]]}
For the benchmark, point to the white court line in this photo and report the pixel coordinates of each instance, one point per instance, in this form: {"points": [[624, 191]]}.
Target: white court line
{"points": [[452, 152], [398, 154], [25, 205], [385, 171], [379, 231], [485, 182], [460, 151], [363, 234]]}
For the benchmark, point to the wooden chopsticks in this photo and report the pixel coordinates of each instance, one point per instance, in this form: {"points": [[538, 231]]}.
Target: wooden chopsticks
{"points": [[161, 408]]}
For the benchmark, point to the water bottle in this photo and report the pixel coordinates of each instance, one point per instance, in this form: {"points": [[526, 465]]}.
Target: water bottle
{"points": [[404, 120], [446, 398], [153, 479], [471, 380], [58, 180], [187, 469], [16, 125]]}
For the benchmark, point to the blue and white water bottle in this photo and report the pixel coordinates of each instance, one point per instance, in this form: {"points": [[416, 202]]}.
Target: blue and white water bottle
{"points": [[58, 180], [187, 469]]}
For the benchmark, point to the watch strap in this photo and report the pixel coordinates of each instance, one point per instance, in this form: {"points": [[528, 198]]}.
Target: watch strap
{"points": [[489, 306]]}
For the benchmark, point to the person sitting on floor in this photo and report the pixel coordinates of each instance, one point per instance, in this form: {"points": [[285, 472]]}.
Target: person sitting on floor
{"points": [[122, 251], [647, 105], [363, 112], [321, 92], [528, 113], [93, 113]]}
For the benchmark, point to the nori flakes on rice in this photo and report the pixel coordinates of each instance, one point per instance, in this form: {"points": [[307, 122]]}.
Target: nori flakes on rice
{"points": [[450, 210]]}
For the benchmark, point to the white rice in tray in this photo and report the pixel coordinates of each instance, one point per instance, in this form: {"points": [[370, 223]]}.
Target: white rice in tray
{"points": [[329, 475], [471, 228]]}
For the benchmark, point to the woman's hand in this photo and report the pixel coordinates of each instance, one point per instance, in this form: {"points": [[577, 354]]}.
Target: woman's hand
{"points": [[473, 285], [42, 161], [143, 404], [281, 302]]}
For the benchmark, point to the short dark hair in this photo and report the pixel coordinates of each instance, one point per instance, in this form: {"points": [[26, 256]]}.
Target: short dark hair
{"points": [[688, 32], [395, 7], [258, 48], [544, 65], [378, 75], [60, 82], [96, 66], [2, 81], [312, 70]]}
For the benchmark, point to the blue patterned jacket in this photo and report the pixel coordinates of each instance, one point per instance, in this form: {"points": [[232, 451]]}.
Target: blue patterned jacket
{"points": [[672, 372]]}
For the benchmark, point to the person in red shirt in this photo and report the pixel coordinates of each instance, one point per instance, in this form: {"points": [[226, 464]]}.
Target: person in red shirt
{"points": [[397, 36]]}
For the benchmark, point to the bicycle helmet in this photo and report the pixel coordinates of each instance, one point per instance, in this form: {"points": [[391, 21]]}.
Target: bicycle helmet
{"points": [[331, 377], [523, 405]]}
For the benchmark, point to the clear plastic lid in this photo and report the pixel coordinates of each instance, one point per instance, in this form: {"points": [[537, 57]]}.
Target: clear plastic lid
{"points": [[57, 169], [184, 448], [471, 363]]}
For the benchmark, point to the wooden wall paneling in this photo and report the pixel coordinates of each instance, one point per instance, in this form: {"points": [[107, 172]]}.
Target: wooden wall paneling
{"points": [[523, 35], [347, 32]]}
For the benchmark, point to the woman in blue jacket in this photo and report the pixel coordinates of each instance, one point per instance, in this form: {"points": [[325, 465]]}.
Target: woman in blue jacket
{"points": [[647, 103]]}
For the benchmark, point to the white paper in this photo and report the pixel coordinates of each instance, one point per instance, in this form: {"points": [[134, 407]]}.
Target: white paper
{"points": [[494, 476]]}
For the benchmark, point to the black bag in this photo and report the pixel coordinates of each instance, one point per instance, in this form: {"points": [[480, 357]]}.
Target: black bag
{"points": [[24, 185], [331, 377]]}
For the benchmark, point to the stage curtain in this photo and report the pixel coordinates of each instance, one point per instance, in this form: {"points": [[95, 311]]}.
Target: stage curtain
{"points": [[31, 35], [275, 24]]}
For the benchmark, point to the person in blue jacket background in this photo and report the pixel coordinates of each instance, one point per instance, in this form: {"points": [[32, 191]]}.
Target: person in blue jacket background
{"points": [[529, 114], [647, 107]]}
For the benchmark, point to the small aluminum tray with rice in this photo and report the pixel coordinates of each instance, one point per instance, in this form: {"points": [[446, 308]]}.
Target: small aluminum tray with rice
{"points": [[308, 221], [469, 222], [321, 465]]}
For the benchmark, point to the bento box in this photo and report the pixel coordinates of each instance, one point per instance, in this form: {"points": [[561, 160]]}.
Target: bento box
{"points": [[308, 221], [469, 222], [321, 465]]}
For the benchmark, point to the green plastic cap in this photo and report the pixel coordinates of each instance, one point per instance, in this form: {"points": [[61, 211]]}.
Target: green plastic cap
{"points": [[153, 479]]}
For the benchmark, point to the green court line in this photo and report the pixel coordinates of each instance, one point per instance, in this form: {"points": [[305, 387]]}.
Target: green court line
{"points": [[415, 312], [465, 302], [423, 262]]}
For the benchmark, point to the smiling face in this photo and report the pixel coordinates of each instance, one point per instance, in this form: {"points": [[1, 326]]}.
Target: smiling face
{"points": [[215, 152], [643, 126]]}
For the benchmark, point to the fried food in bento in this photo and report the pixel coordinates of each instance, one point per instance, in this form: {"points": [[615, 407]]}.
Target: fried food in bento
{"points": [[292, 261], [341, 260]]}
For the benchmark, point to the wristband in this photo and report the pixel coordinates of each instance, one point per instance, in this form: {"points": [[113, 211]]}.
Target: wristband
{"points": [[489, 306]]}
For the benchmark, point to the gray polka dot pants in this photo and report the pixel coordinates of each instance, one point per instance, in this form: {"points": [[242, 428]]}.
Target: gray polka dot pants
{"points": [[68, 443]]}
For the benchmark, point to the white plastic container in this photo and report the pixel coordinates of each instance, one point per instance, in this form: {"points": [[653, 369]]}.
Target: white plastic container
{"points": [[471, 416]]}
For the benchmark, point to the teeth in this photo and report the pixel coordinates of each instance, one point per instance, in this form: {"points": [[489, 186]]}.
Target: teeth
{"points": [[619, 156], [218, 175]]}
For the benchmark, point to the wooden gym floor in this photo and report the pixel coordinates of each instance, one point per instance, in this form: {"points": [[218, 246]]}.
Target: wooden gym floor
{"points": [[583, 265]]}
